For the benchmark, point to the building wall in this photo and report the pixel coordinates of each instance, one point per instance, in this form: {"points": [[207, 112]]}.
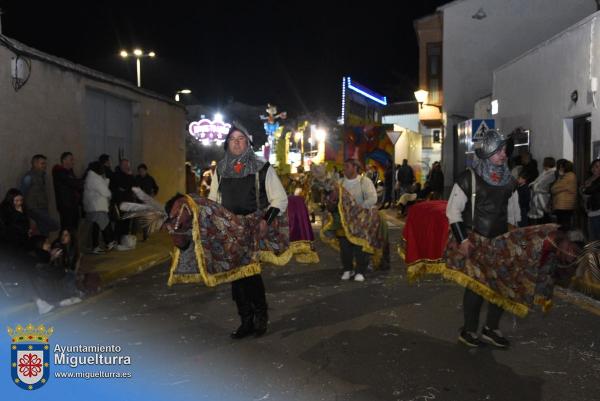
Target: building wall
{"points": [[409, 147], [533, 91], [47, 116], [429, 30], [473, 48], [409, 121]]}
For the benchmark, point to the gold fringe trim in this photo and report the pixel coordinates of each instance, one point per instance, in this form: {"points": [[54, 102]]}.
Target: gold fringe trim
{"points": [[210, 280], [401, 253], [297, 248], [332, 242], [422, 267], [585, 286], [366, 247], [175, 279], [306, 258]]}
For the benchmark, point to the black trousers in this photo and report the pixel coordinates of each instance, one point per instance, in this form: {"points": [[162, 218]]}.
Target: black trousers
{"points": [[564, 217], [107, 235], [122, 227], [69, 220], [249, 296], [472, 307], [350, 253]]}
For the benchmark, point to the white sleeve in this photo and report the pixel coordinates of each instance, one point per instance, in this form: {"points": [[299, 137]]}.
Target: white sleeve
{"points": [[275, 192], [213, 195], [456, 205], [103, 188], [514, 210], [370, 193]]}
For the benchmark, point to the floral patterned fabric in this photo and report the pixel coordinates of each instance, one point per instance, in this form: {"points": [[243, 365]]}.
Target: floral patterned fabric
{"points": [[513, 270], [362, 226], [226, 246]]}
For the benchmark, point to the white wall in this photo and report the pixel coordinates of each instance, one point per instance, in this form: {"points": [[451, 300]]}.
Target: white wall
{"points": [[534, 90], [409, 121], [474, 48]]}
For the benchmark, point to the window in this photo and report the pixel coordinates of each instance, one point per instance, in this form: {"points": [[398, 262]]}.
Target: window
{"points": [[434, 71]]}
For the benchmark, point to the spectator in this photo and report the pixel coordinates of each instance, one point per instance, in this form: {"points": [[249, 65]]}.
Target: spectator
{"points": [[207, 177], [539, 206], [389, 187], [529, 167], [70, 256], [191, 180], [373, 174], [33, 186], [408, 197], [120, 186], [53, 284], [104, 160], [17, 229], [145, 181], [564, 194], [67, 189], [406, 176], [436, 179], [147, 184], [524, 198], [591, 188], [96, 201]]}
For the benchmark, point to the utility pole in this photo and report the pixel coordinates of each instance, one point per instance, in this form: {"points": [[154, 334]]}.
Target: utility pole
{"points": [[0, 21]]}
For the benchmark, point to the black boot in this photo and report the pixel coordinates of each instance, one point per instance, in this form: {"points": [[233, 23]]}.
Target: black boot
{"points": [[245, 329], [241, 297], [258, 298], [261, 322]]}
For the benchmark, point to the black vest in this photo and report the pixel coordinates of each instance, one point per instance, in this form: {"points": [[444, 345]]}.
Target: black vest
{"points": [[491, 205], [238, 195]]}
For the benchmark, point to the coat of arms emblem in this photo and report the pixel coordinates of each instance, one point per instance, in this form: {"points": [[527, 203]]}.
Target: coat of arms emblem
{"points": [[30, 355]]}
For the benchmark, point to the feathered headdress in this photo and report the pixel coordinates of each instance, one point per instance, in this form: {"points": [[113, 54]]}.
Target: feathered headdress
{"points": [[151, 214]]}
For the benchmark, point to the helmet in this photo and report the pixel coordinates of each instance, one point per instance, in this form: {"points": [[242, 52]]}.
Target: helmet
{"points": [[489, 143], [235, 126]]}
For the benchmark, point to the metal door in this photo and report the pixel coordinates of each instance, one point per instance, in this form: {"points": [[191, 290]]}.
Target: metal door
{"points": [[109, 127]]}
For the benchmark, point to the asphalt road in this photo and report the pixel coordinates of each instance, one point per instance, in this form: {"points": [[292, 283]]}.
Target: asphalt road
{"points": [[330, 340]]}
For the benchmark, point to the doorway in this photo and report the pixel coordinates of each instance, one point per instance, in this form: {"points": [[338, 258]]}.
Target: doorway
{"points": [[109, 126], [582, 150]]}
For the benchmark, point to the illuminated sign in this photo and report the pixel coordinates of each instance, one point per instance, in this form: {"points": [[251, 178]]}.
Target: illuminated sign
{"points": [[207, 131], [358, 88]]}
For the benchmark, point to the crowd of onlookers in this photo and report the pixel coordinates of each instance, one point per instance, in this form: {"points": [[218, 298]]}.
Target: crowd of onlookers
{"points": [[46, 252], [556, 194], [401, 184]]}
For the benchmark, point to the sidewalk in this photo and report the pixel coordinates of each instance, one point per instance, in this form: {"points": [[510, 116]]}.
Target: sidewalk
{"points": [[114, 265]]}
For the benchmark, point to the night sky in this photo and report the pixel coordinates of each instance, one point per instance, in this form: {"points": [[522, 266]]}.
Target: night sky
{"points": [[293, 55]]}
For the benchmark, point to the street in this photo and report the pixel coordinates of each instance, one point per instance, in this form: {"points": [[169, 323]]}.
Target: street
{"points": [[330, 340]]}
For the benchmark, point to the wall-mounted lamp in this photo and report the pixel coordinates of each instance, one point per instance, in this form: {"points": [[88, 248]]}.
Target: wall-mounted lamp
{"points": [[574, 96], [494, 107], [479, 15], [421, 95]]}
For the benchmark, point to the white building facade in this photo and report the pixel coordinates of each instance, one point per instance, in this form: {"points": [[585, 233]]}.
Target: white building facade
{"points": [[481, 35], [551, 92]]}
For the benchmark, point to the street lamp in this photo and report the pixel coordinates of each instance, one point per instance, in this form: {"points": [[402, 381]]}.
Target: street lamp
{"points": [[422, 95], [183, 91], [138, 54]]}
